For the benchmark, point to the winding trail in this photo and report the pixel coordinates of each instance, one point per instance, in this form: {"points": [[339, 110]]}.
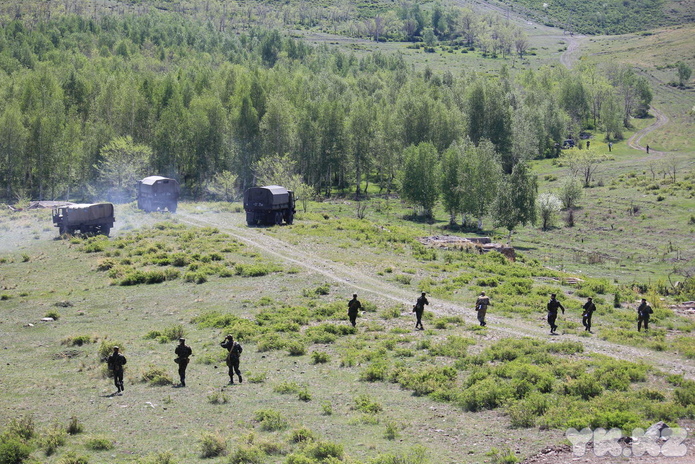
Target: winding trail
{"points": [[377, 287]]}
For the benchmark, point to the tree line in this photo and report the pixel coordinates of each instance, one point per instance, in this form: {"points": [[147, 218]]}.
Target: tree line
{"points": [[91, 105]]}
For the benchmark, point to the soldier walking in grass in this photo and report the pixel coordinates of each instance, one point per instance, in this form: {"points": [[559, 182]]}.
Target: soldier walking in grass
{"points": [[418, 309], [234, 350], [481, 305], [354, 307], [183, 353], [115, 362], [644, 312], [553, 306], [589, 308]]}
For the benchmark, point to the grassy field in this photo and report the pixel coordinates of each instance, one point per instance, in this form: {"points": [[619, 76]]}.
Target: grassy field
{"points": [[314, 387]]}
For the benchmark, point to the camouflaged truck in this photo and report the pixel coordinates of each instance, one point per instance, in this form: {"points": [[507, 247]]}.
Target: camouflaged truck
{"points": [[157, 193], [269, 205], [90, 219]]}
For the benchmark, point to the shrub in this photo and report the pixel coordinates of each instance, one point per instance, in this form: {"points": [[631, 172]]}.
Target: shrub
{"points": [[391, 432], [212, 445], [488, 393], [53, 314], [453, 347], [247, 455], [325, 450], [217, 398], [685, 394], [302, 435], [376, 371], [99, 443], [318, 357], [52, 439], [296, 348], [23, 428], [174, 332], [258, 377], [270, 420], [165, 457], [367, 404], [304, 395], [286, 387], [156, 376], [74, 426], [72, 458], [77, 340], [13, 450], [327, 408]]}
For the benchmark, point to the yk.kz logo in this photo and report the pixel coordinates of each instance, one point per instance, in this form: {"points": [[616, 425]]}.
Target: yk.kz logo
{"points": [[657, 440]]}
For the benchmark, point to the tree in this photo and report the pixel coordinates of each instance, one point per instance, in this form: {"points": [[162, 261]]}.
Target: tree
{"points": [[450, 183], [570, 191], [548, 206], [13, 138], [419, 178], [280, 170], [684, 73], [584, 163], [123, 164], [479, 177], [516, 199], [223, 186]]}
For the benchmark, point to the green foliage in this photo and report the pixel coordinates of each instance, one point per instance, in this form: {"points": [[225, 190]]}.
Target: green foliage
{"points": [[212, 445], [74, 426], [52, 439], [453, 347], [13, 450], [73, 458], [99, 443], [77, 340], [367, 404], [302, 435], [156, 376], [318, 357], [270, 420], [162, 457]]}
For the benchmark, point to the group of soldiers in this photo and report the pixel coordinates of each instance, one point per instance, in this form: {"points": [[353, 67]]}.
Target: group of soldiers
{"points": [[116, 361], [644, 311], [183, 352]]}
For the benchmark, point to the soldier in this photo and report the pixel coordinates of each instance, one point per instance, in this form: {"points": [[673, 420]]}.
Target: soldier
{"points": [[354, 306], [418, 309], [553, 306], [116, 362], [589, 308], [481, 305], [183, 353], [644, 312], [234, 353]]}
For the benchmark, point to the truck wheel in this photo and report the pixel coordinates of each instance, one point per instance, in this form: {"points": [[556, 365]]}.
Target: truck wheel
{"points": [[251, 219], [290, 218], [172, 207], [278, 218], [105, 230]]}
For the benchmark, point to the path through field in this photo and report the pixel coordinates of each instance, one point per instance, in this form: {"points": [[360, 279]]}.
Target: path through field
{"points": [[379, 289]]}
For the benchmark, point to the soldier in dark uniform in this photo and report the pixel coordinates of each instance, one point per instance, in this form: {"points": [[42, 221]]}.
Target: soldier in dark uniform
{"points": [[354, 306], [553, 306], [418, 309], [116, 362], [234, 353], [481, 305], [644, 312], [183, 353], [589, 308]]}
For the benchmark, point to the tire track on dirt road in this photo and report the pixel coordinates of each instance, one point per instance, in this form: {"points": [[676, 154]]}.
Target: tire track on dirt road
{"points": [[353, 277]]}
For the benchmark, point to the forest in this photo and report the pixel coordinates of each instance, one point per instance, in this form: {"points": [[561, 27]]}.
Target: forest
{"points": [[90, 105]]}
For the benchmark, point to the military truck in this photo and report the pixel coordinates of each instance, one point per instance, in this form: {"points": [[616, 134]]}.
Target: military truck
{"points": [[269, 205], [157, 193], [91, 219]]}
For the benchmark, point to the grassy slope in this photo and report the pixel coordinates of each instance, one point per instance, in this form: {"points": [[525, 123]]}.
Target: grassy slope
{"points": [[41, 371]]}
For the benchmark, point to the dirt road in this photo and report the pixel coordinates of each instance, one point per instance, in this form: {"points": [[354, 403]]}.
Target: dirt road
{"points": [[384, 291]]}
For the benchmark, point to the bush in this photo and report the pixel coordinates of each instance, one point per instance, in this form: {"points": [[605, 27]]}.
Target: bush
{"points": [[23, 428], [52, 439], [13, 450], [156, 376], [212, 445], [391, 432], [77, 340], [296, 348], [375, 372], [270, 420], [325, 450], [74, 426], [72, 458], [302, 435], [99, 444], [247, 455], [367, 404], [318, 357], [165, 457]]}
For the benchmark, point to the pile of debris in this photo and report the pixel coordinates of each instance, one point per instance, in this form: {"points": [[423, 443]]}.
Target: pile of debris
{"points": [[479, 244]]}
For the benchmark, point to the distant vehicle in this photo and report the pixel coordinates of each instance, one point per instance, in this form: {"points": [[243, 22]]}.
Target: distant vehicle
{"points": [[269, 205], [569, 143], [92, 219], [157, 193]]}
